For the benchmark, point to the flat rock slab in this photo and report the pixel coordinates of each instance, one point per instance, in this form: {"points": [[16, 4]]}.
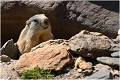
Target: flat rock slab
{"points": [[109, 61], [91, 44], [49, 57]]}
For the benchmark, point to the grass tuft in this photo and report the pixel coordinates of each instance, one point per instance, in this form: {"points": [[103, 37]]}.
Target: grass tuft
{"points": [[36, 73]]}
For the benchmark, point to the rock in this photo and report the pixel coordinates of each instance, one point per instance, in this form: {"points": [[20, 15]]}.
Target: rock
{"points": [[92, 44], [82, 64], [50, 42], [5, 58], [101, 74], [10, 49], [109, 61], [116, 54], [7, 71], [63, 15], [79, 70], [101, 71], [101, 66], [53, 57]]}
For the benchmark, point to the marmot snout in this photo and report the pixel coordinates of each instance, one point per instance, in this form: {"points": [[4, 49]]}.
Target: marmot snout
{"points": [[37, 30]]}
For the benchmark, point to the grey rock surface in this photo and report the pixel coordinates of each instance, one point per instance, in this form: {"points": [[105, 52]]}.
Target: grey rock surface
{"points": [[116, 54], [92, 44], [101, 71], [101, 74], [109, 61], [67, 17], [10, 49], [100, 66]]}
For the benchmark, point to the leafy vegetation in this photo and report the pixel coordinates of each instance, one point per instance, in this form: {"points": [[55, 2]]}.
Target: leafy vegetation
{"points": [[36, 73]]}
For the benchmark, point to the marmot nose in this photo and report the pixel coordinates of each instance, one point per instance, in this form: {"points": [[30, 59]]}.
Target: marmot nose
{"points": [[46, 21]]}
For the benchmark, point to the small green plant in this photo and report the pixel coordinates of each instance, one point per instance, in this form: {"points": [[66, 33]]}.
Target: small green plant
{"points": [[36, 73]]}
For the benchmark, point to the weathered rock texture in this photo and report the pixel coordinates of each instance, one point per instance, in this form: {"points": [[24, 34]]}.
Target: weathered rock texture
{"points": [[50, 42], [91, 44], [49, 57], [102, 74], [67, 17], [7, 71]]}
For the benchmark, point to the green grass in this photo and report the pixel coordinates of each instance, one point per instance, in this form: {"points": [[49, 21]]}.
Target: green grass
{"points": [[36, 73]]}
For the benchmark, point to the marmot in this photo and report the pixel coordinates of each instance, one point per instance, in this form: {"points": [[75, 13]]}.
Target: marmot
{"points": [[37, 30]]}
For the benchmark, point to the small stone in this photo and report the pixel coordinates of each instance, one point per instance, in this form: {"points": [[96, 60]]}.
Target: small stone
{"points": [[5, 58], [116, 54], [79, 70]]}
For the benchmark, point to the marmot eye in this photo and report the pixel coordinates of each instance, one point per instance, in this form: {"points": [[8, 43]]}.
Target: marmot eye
{"points": [[35, 20]]}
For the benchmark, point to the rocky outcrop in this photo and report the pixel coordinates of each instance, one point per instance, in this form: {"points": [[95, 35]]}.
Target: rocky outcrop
{"points": [[91, 44], [49, 57], [67, 17]]}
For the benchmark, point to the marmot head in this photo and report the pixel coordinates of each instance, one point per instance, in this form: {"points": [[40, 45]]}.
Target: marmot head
{"points": [[38, 22]]}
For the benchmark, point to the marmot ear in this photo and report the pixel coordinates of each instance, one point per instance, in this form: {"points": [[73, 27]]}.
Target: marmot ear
{"points": [[27, 22]]}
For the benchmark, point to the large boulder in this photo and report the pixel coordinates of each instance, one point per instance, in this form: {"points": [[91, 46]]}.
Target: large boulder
{"points": [[49, 57], [92, 44], [66, 17]]}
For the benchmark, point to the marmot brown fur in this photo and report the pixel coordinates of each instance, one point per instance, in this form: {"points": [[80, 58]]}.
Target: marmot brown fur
{"points": [[37, 30]]}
